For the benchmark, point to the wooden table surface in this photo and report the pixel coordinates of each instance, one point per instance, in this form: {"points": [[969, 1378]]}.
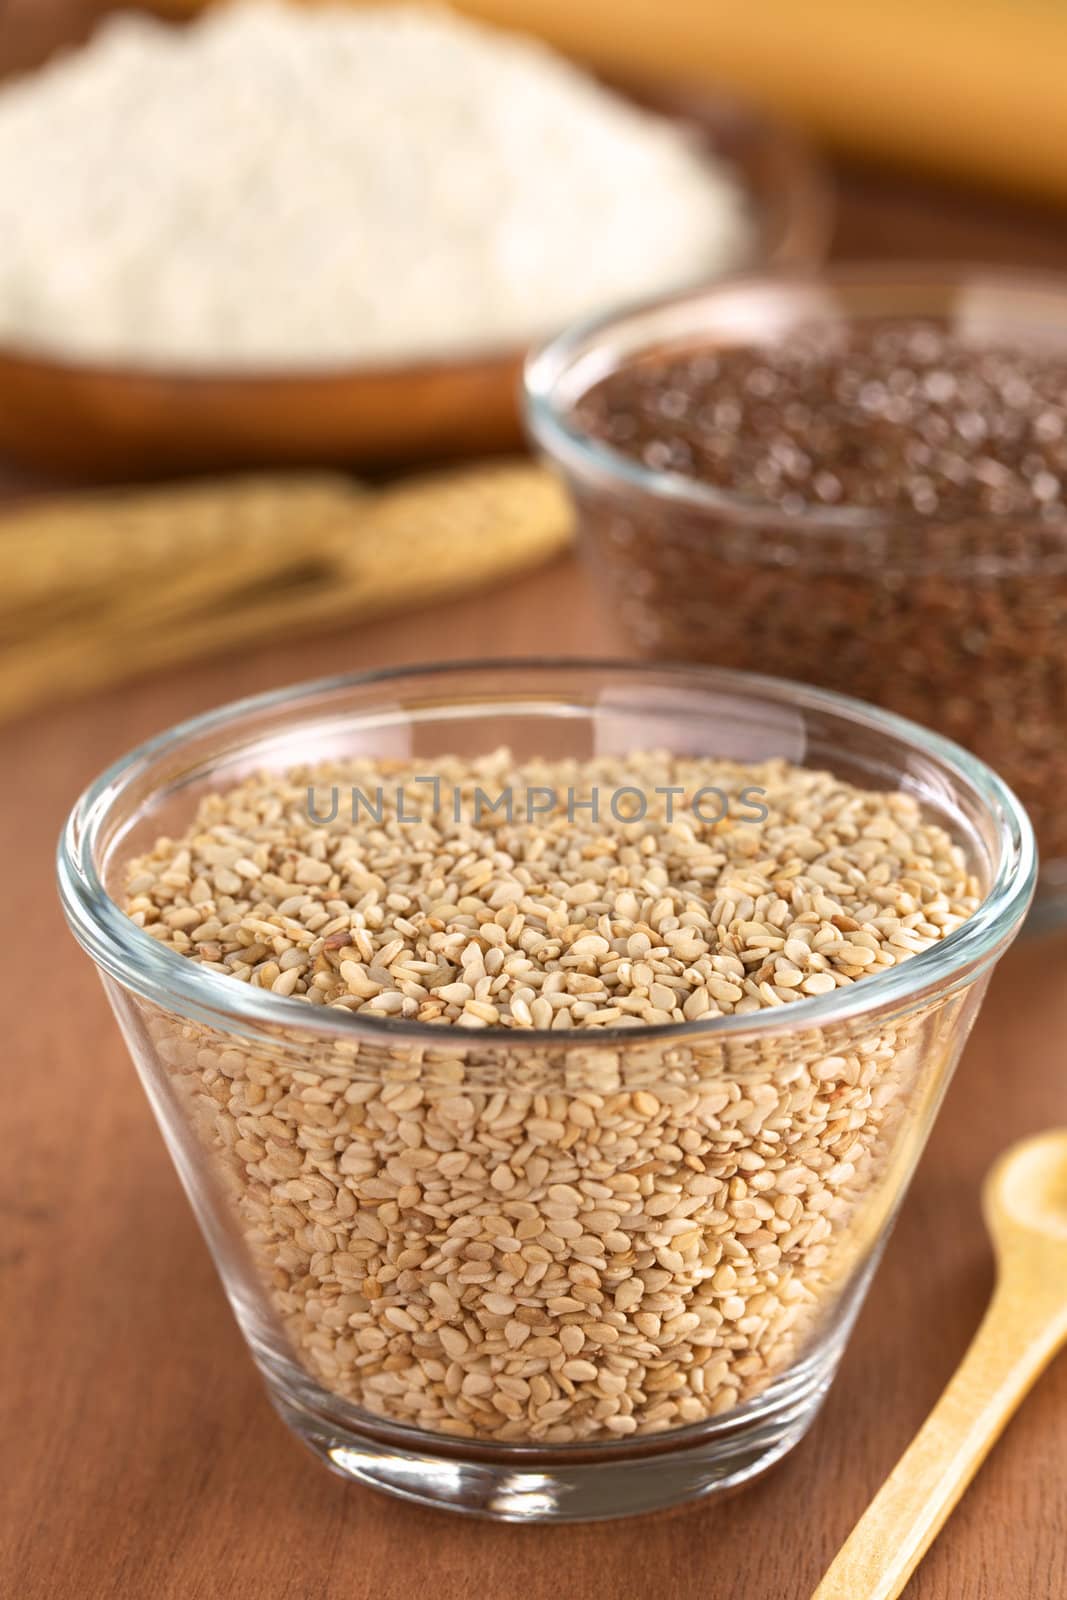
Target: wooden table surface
{"points": [[140, 1454]]}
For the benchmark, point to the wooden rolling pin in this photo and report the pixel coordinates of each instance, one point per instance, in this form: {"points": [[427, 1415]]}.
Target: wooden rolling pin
{"points": [[103, 586]]}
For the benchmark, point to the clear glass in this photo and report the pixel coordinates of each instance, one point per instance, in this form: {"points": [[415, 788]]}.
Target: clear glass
{"points": [[342, 1169], [971, 615]]}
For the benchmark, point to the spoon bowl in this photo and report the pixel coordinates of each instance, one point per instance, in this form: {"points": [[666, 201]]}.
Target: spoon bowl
{"points": [[1026, 1194]]}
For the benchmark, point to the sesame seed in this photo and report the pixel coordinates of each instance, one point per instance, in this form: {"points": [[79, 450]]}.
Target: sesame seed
{"points": [[592, 1241]]}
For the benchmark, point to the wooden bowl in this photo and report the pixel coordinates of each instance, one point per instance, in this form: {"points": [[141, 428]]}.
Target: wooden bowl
{"points": [[104, 422]]}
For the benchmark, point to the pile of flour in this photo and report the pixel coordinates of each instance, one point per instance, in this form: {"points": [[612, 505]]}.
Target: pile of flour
{"points": [[285, 186]]}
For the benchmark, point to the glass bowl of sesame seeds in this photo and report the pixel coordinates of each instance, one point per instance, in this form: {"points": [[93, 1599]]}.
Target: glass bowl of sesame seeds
{"points": [[856, 479], [545, 1048]]}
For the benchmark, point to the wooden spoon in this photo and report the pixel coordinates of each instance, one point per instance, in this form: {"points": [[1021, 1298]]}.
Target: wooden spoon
{"points": [[1025, 1206]]}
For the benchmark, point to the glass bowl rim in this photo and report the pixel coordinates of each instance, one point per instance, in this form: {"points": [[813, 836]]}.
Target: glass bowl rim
{"points": [[140, 964], [549, 424]]}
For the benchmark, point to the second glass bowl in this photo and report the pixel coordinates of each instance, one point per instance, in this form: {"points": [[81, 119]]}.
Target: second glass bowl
{"points": [[956, 622]]}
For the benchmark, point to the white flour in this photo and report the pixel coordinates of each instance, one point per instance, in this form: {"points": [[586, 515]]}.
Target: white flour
{"points": [[287, 187]]}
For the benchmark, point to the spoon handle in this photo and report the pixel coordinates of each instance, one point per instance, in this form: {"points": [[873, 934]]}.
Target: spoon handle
{"points": [[1014, 1343]]}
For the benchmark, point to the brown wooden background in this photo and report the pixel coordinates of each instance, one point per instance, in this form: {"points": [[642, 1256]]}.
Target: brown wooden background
{"points": [[140, 1455]]}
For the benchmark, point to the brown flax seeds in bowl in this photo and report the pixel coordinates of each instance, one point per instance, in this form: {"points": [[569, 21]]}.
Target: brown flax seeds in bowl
{"points": [[948, 607], [602, 1239]]}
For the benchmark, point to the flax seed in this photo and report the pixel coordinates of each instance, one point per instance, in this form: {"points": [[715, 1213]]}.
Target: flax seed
{"points": [[954, 561]]}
